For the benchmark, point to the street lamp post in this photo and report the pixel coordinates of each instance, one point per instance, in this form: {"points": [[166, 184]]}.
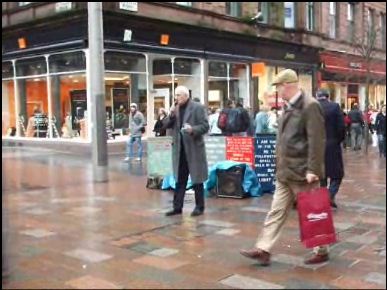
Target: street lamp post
{"points": [[96, 72]]}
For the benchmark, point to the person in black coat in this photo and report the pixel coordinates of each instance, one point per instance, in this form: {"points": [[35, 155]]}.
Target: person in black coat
{"points": [[335, 134], [380, 126], [158, 128]]}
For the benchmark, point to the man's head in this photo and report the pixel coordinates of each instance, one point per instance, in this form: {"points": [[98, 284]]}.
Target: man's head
{"points": [[286, 83], [230, 103], [133, 107], [182, 95], [322, 94], [384, 109]]}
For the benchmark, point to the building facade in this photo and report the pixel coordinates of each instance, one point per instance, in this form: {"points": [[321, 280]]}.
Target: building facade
{"points": [[219, 50]]}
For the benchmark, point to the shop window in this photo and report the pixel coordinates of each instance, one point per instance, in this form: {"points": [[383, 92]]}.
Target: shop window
{"points": [[120, 91], [31, 67], [69, 106], [162, 67], [218, 85], [187, 73], [33, 107], [124, 62], [7, 70], [67, 62], [8, 108], [238, 83]]}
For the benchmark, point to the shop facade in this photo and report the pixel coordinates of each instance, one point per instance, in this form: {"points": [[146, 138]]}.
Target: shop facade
{"points": [[50, 76], [345, 76]]}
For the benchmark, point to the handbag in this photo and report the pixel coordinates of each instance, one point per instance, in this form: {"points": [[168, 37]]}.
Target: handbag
{"points": [[315, 217]]}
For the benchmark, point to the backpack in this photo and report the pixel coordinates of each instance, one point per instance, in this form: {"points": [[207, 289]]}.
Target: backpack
{"points": [[238, 120], [222, 120]]}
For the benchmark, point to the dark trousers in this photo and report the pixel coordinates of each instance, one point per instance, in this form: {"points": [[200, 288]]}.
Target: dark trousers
{"points": [[178, 198], [334, 185]]}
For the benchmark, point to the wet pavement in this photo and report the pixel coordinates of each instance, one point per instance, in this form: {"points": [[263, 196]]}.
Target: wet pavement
{"points": [[63, 231]]}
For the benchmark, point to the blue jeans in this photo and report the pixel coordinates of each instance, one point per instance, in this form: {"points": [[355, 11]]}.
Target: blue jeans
{"points": [[129, 146]]}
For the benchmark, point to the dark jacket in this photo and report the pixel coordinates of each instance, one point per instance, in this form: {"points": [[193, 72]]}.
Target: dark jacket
{"points": [[335, 133], [380, 124], [356, 116], [300, 144], [158, 128], [195, 115]]}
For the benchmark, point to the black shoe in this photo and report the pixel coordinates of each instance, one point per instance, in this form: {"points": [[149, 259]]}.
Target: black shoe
{"points": [[173, 212], [197, 212], [333, 205]]}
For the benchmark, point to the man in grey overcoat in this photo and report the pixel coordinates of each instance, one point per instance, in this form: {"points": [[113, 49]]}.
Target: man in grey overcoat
{"points": [[189, 122]]}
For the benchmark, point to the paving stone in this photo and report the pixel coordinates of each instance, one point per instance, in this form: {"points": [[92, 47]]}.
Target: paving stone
{"points": [[88, 255], [37, 211], [295, 261], [343, 226], [228, 232], [142, 247], [165, 263], [244, 282], [361, 239], [38, 233], [164, 252], [217, 223], [91, 282], [377, 278], [302, 284], [255, 209]]}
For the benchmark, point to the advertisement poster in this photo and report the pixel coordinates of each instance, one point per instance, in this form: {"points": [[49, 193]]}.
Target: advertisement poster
{"points": [[240, 149], [159, 156], [265, 161], [215, 149]]}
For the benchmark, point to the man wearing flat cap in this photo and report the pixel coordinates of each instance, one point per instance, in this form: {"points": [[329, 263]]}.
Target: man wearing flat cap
{"points": [[300, 152]]}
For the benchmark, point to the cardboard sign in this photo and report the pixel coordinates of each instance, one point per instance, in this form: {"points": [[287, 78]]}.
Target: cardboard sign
{"points": [[159, 161], [215, 149], [240, 149], [265, 161]]}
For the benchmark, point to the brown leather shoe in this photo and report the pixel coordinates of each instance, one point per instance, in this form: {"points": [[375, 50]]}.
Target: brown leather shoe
{"points": [[316, 259], [257, 254]]}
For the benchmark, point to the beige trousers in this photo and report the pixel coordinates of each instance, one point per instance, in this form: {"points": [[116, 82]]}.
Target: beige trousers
{"points": [[284, 196]]}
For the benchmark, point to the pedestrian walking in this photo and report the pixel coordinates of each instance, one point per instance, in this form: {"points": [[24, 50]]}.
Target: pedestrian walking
{"points": [[380, 126], [357, 124], [273, 121], [136, 129], [189, 123], [335, 134], [300, 163], [213, 122], [262, 121]]}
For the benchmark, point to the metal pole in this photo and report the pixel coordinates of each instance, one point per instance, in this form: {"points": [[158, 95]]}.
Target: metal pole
{"points": [[96, 72]]}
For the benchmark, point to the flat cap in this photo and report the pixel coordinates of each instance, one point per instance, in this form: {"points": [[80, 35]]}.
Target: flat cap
{"points": [[285, 76]]}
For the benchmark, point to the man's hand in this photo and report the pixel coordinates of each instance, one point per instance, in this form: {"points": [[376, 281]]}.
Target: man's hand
{"points": [[188, 128], [172, 110], [310, 177]]}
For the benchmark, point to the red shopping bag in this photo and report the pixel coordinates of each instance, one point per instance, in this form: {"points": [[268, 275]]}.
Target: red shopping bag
{"points": [[315, 216]]}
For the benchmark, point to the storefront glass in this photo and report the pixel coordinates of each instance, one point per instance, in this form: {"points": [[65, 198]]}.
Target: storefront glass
{"points": [[238, 83], [218, 89], [8, 100], [68, 94], [125, 83], [187, 73], [266, 92]]}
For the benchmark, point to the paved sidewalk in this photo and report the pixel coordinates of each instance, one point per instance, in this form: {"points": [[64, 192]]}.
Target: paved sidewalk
{"points": [[63, 231]]}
